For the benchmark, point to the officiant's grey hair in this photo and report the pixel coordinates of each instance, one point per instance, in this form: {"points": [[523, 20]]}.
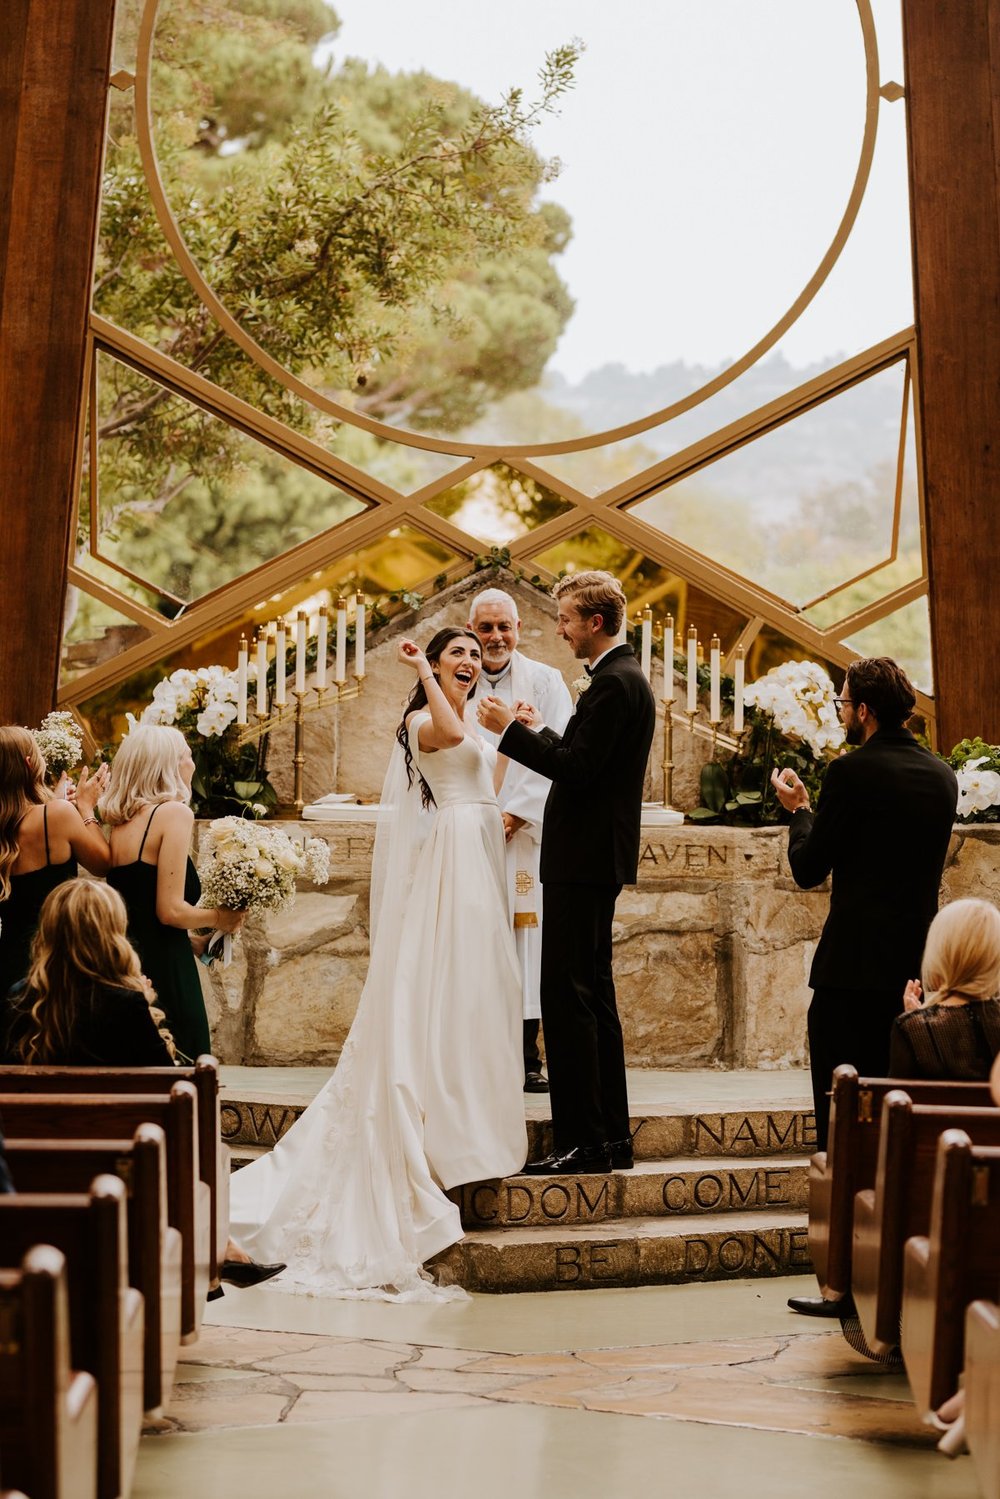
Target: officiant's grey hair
{"points": [[491, 596]]}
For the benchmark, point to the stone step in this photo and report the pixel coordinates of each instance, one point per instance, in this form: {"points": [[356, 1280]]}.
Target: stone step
{"points": [[658, 1134], [630, 1252], [654, 1189]]}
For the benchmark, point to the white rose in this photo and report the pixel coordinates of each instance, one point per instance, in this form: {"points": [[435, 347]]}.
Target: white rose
{"points": [[263, 869]]}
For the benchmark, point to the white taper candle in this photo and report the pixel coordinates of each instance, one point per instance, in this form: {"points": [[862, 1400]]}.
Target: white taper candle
{"points": [[322, 645], [359, 636], [715, 681], [301, 637], [262, 673], [280, 664], [242, 673], [739, 682], [341, 670], [668, 658], [646, 657], [692, 669]]}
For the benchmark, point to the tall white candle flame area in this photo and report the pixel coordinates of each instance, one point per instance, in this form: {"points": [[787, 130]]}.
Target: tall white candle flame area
{"points": [[272, 709]]}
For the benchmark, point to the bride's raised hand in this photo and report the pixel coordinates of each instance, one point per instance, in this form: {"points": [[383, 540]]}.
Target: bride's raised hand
{"points": [[410, 654]]}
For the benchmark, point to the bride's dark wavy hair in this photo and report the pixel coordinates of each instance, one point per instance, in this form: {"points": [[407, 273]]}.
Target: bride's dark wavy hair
{"points": [[418, 699]]}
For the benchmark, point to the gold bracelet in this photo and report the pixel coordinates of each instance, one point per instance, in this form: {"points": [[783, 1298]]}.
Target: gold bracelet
{"points": [[92, 822]]}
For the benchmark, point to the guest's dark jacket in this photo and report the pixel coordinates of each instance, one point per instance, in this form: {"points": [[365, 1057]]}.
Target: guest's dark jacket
{"points": [[114, 1029], [881, 828], [590, 832]]}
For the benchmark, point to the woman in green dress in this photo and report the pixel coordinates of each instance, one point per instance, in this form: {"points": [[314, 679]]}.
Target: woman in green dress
{"points": [[151, 822]]}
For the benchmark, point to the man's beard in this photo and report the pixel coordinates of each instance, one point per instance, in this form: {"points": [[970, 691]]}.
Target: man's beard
{"points": [[496, 664], [854, 735]]}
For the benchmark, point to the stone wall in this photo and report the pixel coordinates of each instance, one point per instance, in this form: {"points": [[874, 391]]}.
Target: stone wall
{"points": [[712, 951]]}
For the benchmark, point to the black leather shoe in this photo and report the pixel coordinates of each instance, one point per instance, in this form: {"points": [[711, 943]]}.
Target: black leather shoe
{"points": [[535, 1082], [215, 1293], [245, 1273], [622, 1154], [583, 1160], [821, 1306]]}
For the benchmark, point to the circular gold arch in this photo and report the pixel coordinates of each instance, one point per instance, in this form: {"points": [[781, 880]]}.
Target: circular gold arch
{"points": [[402, 436]]}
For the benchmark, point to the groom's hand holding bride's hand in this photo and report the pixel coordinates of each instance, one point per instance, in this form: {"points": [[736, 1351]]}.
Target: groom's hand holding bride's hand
{"points": [[494, 714]]}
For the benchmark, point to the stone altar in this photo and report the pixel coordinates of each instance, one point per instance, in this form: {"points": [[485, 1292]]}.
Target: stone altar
{"points": [[712, 950]]}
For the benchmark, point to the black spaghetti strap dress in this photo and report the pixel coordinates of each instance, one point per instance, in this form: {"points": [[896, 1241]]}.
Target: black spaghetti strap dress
{"points": [[19, 914], [165, 951]]}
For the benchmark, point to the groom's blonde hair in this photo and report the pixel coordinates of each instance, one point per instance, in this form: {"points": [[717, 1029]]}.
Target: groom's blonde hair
{"points": [[595, 593]]}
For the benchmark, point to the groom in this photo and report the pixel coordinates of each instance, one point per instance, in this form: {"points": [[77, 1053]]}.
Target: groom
{"points": [[590, 849]]}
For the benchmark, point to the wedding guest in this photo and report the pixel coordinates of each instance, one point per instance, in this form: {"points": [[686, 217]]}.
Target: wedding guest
{"points": [[146, 805], [508, 674], [881, 829], [85, 1002], [955, 1032], [42, 841], [590, 849]]}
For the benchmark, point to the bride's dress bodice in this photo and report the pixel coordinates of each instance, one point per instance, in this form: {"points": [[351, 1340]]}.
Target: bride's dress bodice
{"points": [[460, 775]]}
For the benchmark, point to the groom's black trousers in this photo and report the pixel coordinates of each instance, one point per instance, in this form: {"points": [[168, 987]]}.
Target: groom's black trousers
{"points": [[583, 1035]]}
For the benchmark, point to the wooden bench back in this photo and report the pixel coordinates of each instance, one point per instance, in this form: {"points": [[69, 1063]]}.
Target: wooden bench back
{"points": [[956, 1263], [48, 1412], [850, 1164], [213, 1155], [901, 1203], [982, 1393], [90, 1232]]}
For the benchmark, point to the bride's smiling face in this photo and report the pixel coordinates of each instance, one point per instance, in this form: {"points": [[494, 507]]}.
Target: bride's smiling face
{"points": [[458, 666]]}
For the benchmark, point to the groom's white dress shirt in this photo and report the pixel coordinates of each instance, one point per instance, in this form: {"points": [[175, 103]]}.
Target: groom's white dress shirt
{"points": [[523, 794]]}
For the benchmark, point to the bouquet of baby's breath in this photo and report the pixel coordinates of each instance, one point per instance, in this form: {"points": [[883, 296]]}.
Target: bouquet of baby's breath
{"points": [[247, 866], [60, 741]]}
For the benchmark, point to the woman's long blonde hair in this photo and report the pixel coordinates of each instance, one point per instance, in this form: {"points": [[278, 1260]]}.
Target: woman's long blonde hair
{"points": [[80, 946], [144, 772], [22, 785], [962, 955]]}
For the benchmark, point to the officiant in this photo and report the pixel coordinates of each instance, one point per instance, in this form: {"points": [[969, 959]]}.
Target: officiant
{"points": [[508, 674]]}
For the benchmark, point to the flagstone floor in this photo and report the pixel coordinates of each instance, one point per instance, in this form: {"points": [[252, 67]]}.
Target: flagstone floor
{"points": [[713, 1389]]}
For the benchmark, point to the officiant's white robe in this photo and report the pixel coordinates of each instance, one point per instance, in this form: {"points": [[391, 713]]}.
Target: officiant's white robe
{"points": [[523, 794]]}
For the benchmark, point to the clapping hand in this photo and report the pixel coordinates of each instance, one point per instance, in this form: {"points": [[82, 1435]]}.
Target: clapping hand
{"points": [[913, 995], [89, 789]]}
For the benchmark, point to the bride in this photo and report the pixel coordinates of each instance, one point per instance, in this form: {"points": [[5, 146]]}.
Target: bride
{"points": [[427, 1094]]}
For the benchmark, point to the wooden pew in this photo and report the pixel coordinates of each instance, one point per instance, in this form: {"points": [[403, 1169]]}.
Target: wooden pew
{"points": [[213, 1155], [954, 1265], [154, 1248], [982, 1393], [105, 1312], [48, 1412], [117, 1116], [836, 1175], [900, 1204]]}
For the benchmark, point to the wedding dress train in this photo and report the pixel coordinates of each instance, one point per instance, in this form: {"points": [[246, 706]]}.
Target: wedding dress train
{"points": [[427, 1094]]}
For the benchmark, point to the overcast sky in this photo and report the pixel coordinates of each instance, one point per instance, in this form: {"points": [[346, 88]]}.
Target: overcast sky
{"points": [[708, 147]]}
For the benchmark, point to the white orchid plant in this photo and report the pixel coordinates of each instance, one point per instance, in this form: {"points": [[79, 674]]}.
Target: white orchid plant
{"points": [[977, 765], [791, 722], [229, 777]]}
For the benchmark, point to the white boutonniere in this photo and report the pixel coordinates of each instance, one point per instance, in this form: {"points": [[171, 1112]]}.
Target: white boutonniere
{"points": [[581, 684]]}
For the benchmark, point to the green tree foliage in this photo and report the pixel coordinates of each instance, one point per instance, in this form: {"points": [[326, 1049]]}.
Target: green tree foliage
{"points": [[379, 234]]}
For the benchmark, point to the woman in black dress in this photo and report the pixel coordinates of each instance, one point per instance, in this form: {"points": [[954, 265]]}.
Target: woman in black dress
{"points": [[955, 1032], [85, 1002], [42, 839], [147, 808]]}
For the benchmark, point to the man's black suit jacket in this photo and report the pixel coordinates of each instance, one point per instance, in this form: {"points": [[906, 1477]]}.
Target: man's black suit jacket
{"points": [[590, 832], [881, 828]]}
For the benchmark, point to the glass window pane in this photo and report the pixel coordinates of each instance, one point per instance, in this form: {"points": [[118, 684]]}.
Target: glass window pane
{"points": [[906, 637], [93, 634], [498, 504]]}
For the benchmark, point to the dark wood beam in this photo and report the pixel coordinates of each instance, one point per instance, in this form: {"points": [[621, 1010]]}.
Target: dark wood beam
{"points": [[952, 52], [54, 62]]}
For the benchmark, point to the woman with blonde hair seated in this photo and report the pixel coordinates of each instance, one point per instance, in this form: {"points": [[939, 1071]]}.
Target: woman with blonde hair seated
{"points": [[955, 1031], [85, 1002], [42, 840], [146, 805]]}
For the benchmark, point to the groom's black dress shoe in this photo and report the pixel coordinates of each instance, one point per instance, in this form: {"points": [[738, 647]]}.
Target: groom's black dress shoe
{"points": [[535, 1082], [622, 1154], [821, 1306], [247, 1273], [580, 1161]]}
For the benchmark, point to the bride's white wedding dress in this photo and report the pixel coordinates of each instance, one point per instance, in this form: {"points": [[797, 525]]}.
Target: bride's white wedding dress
{"points": [[427, 1094]]}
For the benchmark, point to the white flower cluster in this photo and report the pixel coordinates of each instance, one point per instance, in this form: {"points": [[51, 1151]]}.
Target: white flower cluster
{"points": [[60, 741], [210, 692], [978, 790], [247, 867], [800, 697]]}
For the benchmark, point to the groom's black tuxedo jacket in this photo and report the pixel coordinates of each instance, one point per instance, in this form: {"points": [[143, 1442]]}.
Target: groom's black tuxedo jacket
{"points": [[590, 833], [881, 828]]}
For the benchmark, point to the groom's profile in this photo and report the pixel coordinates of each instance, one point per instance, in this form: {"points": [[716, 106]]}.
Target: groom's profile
{"points": [[590, 849]]}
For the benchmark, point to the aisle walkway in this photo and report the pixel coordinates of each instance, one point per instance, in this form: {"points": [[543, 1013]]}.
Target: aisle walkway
{"points": [[708, 1390]]}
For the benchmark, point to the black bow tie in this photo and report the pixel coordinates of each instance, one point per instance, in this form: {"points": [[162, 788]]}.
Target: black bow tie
{"points": [[589, 670]]}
